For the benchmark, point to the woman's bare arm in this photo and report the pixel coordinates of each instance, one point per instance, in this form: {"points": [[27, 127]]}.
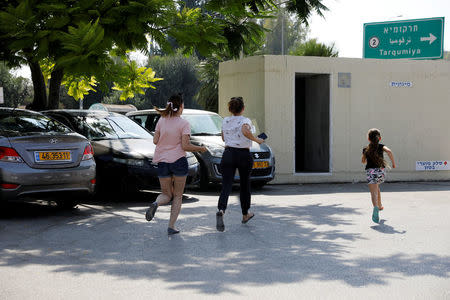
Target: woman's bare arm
{"points": [[246, 131], [187, 146]]}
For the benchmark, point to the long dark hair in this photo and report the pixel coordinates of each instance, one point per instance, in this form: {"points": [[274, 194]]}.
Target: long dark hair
{"points": [[371, 151], [172, 107]]}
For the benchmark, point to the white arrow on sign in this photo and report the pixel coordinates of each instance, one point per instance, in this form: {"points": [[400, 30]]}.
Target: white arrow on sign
{"points": [[430, 38]]}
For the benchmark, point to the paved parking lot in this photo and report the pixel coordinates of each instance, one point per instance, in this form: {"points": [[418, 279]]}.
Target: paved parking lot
{"points": [[305, 242]]}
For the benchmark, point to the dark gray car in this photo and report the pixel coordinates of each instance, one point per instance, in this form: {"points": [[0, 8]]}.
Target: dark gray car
{"points": [[123, 150], [41, 155], [206, 130]]}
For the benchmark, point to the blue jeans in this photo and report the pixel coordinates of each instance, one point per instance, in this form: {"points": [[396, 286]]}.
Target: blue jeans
{"points": [[232, 159]]}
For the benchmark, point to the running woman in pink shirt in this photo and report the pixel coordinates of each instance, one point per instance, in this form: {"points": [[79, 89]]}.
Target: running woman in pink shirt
{"points": [[172, 139]]}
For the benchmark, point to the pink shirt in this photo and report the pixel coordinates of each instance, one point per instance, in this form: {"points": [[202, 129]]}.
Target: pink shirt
{"points": [[169, 148]]}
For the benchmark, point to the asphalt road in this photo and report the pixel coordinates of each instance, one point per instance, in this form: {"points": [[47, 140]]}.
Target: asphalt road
{"points": [[305, 242]]}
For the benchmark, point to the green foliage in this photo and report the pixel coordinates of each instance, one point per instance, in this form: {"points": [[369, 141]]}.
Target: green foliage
{"points": [[313, 48], [79, 87], [304, 9], [16, 90], [81, 37], [47, 68], [179, 73], [208, 94], [285, 28], [84, 48], [134, 80]]}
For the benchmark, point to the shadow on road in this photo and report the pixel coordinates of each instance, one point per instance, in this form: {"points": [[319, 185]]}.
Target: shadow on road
{"points": [[280, 245], [384, 228]]}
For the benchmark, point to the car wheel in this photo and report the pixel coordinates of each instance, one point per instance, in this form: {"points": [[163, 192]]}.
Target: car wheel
{"points": [[67, 203]]}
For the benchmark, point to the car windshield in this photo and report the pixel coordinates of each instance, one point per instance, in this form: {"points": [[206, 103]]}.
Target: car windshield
{"points": [[25, 123], [115, 127], [204, 124]]}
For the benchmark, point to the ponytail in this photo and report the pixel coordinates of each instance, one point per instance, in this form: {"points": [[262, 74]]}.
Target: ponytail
{"points": [[172, 107], [371, 151]]}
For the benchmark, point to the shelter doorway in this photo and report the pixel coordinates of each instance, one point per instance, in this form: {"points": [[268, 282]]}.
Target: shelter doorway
{"points": [[312, 123]]}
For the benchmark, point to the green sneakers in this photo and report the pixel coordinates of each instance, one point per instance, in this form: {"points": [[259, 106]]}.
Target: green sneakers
{"points": [[375, 216]]}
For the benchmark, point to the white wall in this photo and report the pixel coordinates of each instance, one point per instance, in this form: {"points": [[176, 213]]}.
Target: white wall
{"points": [[414, 121]]}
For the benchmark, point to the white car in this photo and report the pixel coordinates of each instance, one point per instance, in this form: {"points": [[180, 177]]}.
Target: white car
{"points": [[206, 128]]}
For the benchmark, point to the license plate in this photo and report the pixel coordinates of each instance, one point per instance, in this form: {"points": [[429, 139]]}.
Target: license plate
{"points": [[52, 156], [260, 164]]}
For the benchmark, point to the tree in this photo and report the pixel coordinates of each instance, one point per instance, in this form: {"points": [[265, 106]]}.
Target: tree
{"points": [[286, 29], [208, 94], [179, 76], [313, 48], [80, 37], [16, 90]]}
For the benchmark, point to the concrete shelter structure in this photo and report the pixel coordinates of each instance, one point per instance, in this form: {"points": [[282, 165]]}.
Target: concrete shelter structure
{"points": [[317, 111]]}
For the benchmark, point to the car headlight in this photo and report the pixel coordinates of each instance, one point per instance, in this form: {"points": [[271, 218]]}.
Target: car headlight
{"points": [[215, 151], [129, 161]]}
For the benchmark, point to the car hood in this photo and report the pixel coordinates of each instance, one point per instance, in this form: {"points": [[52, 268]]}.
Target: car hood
{"points": [[217, 141], [135, 148]]}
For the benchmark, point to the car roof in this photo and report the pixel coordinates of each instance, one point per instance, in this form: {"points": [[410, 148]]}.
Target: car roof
{"points": [[186, 111], [119, 108], [8, 110], [84, 113]]}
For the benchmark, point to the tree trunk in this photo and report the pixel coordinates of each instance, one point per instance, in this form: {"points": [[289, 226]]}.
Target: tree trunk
{"points": [[40, 93], [54, 87]]}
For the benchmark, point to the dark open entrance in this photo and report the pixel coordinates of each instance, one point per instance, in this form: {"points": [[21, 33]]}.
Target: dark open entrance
{"points": [[312, 123]]}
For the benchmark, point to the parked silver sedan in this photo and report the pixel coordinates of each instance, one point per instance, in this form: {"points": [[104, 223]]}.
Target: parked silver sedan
{"points": [[40, 155]]}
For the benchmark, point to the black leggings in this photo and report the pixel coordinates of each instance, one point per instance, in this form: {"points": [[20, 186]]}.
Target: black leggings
{"points": [[232, 159]]}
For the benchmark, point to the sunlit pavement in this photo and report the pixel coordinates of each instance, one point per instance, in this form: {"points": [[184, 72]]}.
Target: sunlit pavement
{"points": [[305, 242]]}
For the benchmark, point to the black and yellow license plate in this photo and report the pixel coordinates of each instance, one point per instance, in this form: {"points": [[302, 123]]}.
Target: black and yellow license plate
{"points": [[52, 156], [260, 164]]}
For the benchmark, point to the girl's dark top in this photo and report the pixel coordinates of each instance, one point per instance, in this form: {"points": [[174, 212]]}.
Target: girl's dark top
{"points": [[371, 164]]}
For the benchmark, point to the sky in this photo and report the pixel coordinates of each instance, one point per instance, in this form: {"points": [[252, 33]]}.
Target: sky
{"points": [[343, 23]]}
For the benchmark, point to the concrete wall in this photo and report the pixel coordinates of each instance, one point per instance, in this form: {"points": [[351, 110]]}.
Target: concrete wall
{"points": [[246, 80], [414, 120]]}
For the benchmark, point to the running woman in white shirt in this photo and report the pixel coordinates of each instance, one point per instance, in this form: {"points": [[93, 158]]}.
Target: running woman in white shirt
{"points": [[237, 135]]}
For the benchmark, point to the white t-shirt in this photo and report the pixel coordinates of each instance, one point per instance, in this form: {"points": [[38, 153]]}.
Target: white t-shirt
{"points": [[232, 132]]}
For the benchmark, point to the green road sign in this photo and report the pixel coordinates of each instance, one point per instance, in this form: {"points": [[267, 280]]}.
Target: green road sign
{"points": [[414, 39]]}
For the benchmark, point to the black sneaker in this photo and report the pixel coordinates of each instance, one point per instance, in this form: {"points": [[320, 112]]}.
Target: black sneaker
{"points": [[150, 213], [219, 221], [171, 231]]}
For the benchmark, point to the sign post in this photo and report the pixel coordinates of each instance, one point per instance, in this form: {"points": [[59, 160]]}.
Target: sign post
{"points": [[413, 39]]}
